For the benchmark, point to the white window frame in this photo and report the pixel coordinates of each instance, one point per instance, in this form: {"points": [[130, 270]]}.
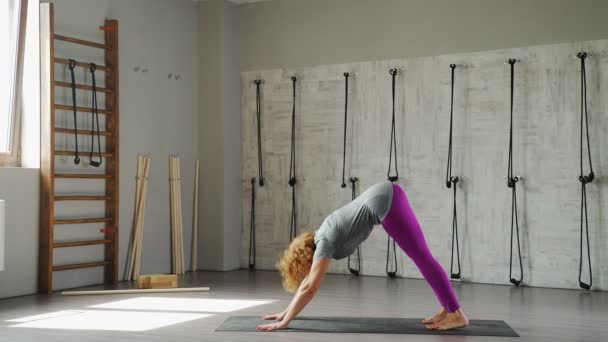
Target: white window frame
{"points": [[12, 158]]}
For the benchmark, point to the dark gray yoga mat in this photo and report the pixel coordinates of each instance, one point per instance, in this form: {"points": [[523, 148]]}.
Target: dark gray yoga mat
{"points": [[370, 325]]}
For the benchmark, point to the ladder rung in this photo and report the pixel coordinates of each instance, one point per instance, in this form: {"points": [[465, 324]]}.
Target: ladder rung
{"points": [[81, 131], [81, 64], [81, 42], [81, 243], [84, 220], [82, 86], [82, 153], [82, 198], [83, 109], [82, 175], [83, 265]]}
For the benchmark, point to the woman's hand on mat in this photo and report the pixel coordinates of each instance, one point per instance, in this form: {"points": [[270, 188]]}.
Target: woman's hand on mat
{"points": [[273, 326], [277, 317]]}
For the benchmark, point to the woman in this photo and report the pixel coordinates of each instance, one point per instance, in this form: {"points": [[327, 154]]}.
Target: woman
{"points": [[306, 260]]}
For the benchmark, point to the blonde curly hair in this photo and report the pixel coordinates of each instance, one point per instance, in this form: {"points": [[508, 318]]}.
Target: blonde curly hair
{"points": [[296, 261]]}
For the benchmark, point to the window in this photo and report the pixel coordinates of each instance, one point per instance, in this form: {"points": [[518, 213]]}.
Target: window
{"points": [[11, 13]]}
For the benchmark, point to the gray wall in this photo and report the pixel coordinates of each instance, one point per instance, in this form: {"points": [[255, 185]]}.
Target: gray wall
{"points": [[219, 136], [545, 153], [158, 117], [293, 33], [207, 42], [211, 136], [19, 187]]}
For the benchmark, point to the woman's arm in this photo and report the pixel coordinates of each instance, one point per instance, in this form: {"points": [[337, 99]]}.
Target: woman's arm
{"points": [[279, 316], [306, 291]]}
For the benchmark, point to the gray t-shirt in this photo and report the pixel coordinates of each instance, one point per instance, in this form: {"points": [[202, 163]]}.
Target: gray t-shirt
{"points": [[346, 228]]}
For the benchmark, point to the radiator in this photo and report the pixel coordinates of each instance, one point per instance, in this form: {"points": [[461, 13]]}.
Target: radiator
{"points": [[2, 233]]}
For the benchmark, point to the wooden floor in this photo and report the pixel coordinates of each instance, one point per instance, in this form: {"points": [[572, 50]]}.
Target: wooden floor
{"points": [[536, 314]]}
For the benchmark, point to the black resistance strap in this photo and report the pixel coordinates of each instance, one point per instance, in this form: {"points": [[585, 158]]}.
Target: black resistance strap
{"points": [[353, 187], [71, 66], [252, 227], [584, 179], [393, 73], [346, 75], [393, 147], [452, 181], [292, 164], [258, 109], [392, 272], [352, 180], [94, 119], [512, 183]]}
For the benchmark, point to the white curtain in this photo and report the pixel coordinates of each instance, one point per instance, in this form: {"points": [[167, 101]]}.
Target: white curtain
{"points": [[17, 15], [18, 87], [29, 97]]}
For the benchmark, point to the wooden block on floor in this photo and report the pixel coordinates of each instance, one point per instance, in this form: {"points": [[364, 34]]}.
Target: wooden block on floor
{"points": [[163, 281], [143, 282], [157, 281]]}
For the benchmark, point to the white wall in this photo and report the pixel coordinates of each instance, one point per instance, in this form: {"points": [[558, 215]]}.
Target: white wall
{"points": [[19, 188]]}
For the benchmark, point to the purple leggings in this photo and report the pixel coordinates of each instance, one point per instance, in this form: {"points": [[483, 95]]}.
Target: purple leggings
{"points": [[401, 224]]}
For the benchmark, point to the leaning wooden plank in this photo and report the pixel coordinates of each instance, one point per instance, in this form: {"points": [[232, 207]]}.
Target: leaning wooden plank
{"points": [[112, 292], [180, 239], [133, 249], [142, 205], [193, 250], [173, 215]]}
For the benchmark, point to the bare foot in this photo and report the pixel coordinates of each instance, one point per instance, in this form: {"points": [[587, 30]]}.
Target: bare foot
{"points": [[438, 317], [453, 320]]}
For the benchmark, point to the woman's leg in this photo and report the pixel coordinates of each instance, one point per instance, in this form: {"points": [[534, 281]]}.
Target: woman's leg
{"points": [[401, 224]]}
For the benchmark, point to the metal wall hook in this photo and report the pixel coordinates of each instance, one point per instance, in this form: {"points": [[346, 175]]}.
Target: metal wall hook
{"points": [[508, 61], [583, 53], [518, 177]]}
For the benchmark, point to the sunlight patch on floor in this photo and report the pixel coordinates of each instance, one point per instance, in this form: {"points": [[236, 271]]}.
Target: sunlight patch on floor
{"points": [[182, 304], [105, 320]]}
